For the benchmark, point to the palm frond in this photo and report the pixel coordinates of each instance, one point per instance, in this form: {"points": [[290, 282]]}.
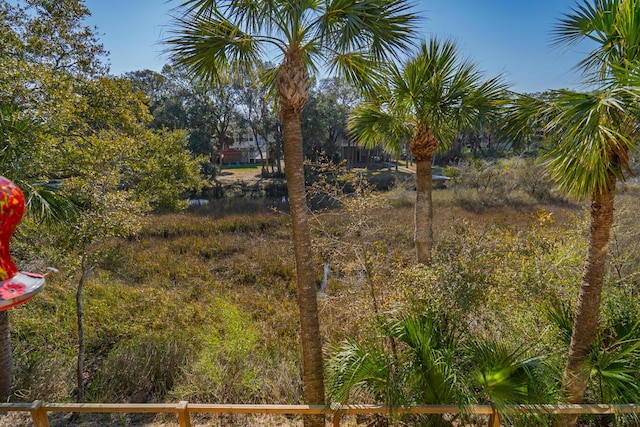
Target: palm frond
{"points": [[355, 368], [378, 124], [431, 373], [525, 118], [613, 26], [508, 376], [207, 45], [375, 27], [614, 371], [47, 202], [560, 314], [593, 138], [446, 93], [358, 68]]}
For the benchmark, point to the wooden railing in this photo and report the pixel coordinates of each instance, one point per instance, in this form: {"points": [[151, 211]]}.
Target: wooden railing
{"points": [[39, 410]]}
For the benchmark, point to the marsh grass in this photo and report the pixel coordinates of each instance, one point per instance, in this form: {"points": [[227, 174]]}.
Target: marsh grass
{"points": [[203, 307]]}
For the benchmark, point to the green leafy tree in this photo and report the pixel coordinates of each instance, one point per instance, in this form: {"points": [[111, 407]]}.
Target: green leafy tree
{"points": [[104, 211], [592, 134], [167, 94], [347, 36], [324, 119], [207, 110], [116, 178], [153, 84], [163, 172], [45, 49], [256, 110], [428, 100], [60, 116]]}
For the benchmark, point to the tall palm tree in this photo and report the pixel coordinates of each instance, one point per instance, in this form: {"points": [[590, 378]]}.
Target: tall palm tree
{"points": [[427, 101], [349, 37], [593, 133]]}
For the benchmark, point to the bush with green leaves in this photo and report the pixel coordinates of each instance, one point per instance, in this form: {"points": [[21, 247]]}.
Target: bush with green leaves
{"points": [[517, 180]]}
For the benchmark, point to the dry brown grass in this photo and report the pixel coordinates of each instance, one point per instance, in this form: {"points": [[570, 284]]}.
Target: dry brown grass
{"points": [[222, 276]]}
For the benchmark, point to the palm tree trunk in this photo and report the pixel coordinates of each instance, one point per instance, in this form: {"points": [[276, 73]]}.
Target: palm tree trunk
{"points": [[293, 82], [423, 234], [6, 362], [585, 324], [313, 378]]}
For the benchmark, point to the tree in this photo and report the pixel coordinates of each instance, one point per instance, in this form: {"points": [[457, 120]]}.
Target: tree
{"points": [[45, 49], [349, 37], [324, 119], [427, 101], [343, 98], [105, 211], [592, 133], [116, 170], [59, 114], [256, 110]]}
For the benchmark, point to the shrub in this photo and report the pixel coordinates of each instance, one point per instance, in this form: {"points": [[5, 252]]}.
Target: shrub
{"points": [[142, 369], [484, 184], [224, 368], [42, 373], [400, 196]]}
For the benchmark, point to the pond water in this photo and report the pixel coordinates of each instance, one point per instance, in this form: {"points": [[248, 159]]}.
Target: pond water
{"points": [[219, 208]]}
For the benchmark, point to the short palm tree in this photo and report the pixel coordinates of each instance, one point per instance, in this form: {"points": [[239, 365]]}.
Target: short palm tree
{"points": [[428, 100], [504, 375], [613, 365], [592, 133], [414, 364], [433, 361], [350, 37]]}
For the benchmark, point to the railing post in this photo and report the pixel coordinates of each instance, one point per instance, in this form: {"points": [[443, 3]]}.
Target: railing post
{"points": [[183, 414], [495, 419], [38, 414], [336, 419]]}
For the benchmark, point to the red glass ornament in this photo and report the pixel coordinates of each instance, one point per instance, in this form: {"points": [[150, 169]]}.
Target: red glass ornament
{"points": [[15, 287]]}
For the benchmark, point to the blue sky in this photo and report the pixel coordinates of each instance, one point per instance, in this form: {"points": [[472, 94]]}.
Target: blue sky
{"points": [[509, 37]]}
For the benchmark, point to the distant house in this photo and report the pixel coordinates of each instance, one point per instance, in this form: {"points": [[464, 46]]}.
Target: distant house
{"points": [[245, 150], [230, 156], [353, 153], [246, 143]]}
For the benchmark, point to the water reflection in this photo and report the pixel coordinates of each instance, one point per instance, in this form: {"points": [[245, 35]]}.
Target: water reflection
{"points": [[219, 208]]}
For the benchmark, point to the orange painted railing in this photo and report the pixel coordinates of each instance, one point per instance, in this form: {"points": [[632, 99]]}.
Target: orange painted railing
{"points": [[39, 410]]}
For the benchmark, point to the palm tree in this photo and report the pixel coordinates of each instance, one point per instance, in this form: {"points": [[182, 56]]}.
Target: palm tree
{"points": [[434, 361], [415, 364], [502, 375], [592, 134], [613, 364], [349, 37], [428, 101]]}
